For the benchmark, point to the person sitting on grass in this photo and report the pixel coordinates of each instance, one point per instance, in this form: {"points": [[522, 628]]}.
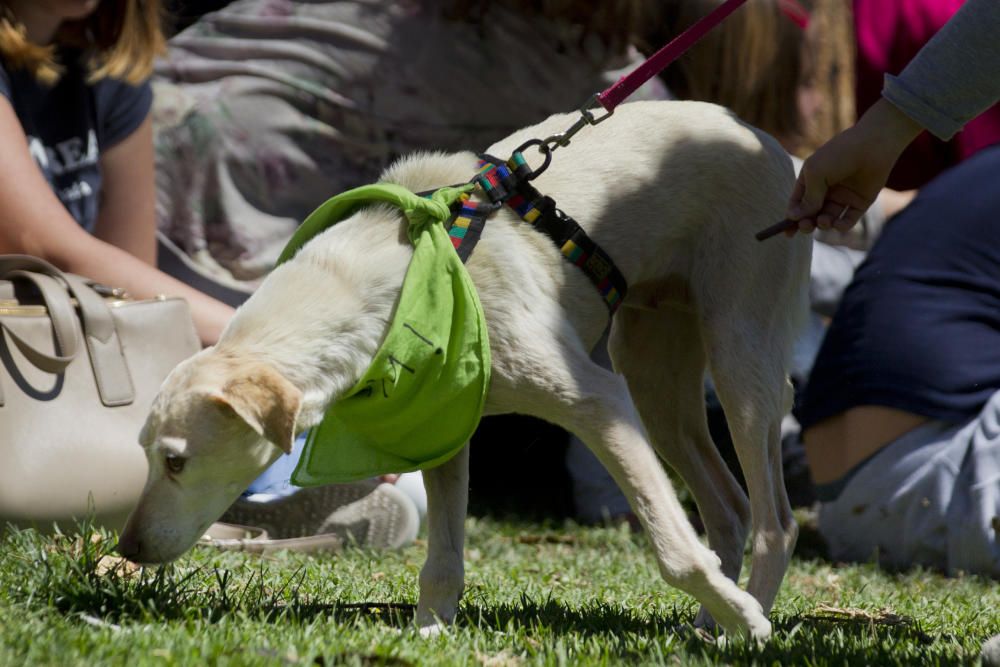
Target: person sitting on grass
{"points": [[901, 413], [76, 179]]}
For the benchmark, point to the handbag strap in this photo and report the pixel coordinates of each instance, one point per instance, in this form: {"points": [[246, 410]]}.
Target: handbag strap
{"points": [[60, 314], [107, 357], [114, 383]]}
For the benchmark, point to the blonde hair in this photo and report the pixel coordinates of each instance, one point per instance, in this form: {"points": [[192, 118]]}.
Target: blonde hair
{"points": [[122, 39], [830, 62], [755, 62]]}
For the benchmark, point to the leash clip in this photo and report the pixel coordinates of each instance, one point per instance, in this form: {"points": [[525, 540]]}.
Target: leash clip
{"points": [[586, 118], [548, 145]]}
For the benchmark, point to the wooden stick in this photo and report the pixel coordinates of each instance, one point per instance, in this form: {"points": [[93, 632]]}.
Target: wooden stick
{"points": [[776, 229]]}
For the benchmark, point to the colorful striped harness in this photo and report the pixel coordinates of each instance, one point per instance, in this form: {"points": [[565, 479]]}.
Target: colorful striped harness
{"points": [[509, 183]]}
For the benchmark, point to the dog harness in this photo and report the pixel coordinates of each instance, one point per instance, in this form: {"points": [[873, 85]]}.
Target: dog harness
{"points": [[510, 183], [422, 397]]}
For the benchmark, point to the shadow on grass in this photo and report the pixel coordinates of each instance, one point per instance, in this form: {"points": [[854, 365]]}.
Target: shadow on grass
{"points": [[808, 639], [150, 599], [598, 618], [624, 634], [74, 577], [800, 639], [210, 594], [82, 577]]}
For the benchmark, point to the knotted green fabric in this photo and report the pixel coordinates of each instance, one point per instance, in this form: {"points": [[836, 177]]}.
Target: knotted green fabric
{"points": [[423, 395]]}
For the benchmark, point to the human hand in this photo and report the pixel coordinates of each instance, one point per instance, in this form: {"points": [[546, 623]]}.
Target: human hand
{"points": [[841, 179]]}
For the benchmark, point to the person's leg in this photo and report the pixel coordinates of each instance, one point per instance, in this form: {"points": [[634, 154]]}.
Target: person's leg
{"points": [[974, 511], [928, 498], [867, 514]]}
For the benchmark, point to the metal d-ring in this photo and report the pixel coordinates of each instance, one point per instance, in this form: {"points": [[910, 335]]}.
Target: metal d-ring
{"points": [[544, 149], [549, 144]]}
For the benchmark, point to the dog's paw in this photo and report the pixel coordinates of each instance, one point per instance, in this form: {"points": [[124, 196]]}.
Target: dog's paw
{"points": [[760, 629], [430, 624], [744, 619], [757, 633]]}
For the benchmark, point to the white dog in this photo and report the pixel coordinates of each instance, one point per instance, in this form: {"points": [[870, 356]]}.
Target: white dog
{"points": [[674, 192]]}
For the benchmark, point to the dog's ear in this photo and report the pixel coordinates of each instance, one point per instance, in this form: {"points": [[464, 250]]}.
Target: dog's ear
{"points": [[266, 401]]}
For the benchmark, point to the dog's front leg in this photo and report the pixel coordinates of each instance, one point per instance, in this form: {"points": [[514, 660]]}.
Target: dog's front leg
{"points": [[443, 575]]}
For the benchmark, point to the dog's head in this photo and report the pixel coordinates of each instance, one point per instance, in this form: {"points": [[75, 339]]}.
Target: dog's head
{"points": [[216, 424]]}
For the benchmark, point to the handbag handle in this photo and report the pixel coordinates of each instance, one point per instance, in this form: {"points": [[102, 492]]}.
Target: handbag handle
{"points": [[107, 357], [61, 315]]}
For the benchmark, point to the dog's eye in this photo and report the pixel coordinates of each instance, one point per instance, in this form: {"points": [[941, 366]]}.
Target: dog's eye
{"points": [[175, 464]]}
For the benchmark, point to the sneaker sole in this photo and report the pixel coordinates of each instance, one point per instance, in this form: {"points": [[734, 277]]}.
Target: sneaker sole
{"points": [[364, 514], [384, 519], [300, 514]]}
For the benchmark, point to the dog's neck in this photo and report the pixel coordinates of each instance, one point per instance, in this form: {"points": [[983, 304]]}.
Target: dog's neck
{"points": [[340, 298]]}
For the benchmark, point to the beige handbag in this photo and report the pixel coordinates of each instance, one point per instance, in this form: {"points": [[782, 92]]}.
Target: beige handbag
{"points": [[80, 365]]}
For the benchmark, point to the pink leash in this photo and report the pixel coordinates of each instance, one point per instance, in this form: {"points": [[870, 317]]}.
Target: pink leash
{"points": [[625, 86], [615, 94]]}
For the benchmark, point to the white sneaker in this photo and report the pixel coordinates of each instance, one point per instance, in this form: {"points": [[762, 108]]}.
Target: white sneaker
{"points": [[367, 513]]}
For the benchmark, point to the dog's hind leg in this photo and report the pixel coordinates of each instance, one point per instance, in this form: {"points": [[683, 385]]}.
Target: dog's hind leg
{"points": [[662, 357], [558, 382], [747, 368], [443, 575]]}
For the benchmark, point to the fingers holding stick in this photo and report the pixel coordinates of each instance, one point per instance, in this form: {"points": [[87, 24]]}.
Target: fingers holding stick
{"points": [[846, 219]]}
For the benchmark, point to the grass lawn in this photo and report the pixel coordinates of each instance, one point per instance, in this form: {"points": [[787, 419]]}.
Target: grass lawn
{"points": [[534, 595]]}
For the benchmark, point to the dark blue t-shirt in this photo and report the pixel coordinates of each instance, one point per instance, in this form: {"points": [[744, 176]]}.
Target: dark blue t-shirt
{"points": [[919, 327], [69, 124]]}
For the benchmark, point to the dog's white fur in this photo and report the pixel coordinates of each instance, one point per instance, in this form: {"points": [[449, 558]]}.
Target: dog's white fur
{"points": [[674, 192]]}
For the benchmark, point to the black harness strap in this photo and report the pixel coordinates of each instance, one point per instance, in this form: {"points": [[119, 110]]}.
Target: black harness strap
{"points": [[466, 224], [509, 183]]}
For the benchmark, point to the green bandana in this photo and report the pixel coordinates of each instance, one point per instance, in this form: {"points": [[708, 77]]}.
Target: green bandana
{"points": [[422, 397]]}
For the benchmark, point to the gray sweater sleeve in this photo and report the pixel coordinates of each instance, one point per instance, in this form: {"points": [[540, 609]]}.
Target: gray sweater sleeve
{"points": [[956, 75]]}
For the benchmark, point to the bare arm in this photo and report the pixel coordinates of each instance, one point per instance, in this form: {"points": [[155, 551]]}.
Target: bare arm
{"points": [[33, 221], [126, 217], [841, 179], [952, 79]]}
